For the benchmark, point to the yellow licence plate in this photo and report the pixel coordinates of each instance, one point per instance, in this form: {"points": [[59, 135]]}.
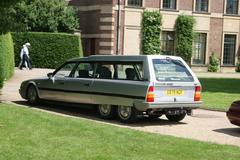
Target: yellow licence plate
{"points": [[174, 92]]}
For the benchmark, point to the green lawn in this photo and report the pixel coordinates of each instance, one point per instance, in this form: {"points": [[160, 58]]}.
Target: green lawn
{"points": [[219, 93], [30, 134]]}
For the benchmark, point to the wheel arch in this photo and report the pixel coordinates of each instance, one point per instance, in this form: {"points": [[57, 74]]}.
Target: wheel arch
{"points": [[31, 83]]}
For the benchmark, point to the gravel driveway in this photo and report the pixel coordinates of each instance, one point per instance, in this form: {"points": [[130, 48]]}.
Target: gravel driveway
{"points": [[204, 125]]}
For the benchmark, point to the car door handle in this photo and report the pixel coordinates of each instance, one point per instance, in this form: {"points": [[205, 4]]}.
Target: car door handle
{"points": [[61, 83], [86, 84]]}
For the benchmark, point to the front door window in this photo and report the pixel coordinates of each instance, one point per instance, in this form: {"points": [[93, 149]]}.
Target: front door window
{"points": [[65, 70]]}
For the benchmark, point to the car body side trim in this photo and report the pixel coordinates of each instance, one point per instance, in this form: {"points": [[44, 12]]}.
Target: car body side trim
{"points": [[96, 93]]}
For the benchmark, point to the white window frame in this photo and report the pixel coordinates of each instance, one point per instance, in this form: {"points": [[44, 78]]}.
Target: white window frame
{"points": [[236, 47], [209, 7], [225, 8], [177, 4], [206, 50], [173, 40], [143, 4]]}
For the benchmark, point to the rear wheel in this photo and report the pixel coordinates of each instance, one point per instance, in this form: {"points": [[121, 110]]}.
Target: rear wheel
{"points": [[127, 114], [107, 111], [176, 118], [32, 95]]}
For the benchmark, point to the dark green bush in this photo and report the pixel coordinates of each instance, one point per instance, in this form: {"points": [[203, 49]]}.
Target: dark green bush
{"points": [[46, 16], [151, 28], [184, 36], [238, 65], [213, 63], [6, 58], [48, 50]]}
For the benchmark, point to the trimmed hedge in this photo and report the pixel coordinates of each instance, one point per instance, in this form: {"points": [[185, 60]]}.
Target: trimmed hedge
{"points": [[6, 58], [184, 36], [48, 50], [151, 28]]}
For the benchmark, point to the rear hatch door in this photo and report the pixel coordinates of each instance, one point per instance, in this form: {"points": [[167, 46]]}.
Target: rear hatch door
{"points": [[174, 82]]}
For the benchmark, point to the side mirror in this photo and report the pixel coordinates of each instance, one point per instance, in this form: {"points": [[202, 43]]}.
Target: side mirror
{"points": [[50, 75]]}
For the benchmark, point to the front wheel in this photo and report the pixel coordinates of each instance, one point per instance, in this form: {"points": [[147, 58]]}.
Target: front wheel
{"points": [[106, 111], [176, 118], [32, 95], [127, 114]]}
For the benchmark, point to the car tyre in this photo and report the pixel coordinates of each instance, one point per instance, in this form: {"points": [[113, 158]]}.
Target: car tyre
{"points": [[176, 118], [127, 114], [32, 95], [106, 111]]}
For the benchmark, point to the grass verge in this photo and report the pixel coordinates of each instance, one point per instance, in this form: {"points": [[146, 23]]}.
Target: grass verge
{"points": [[30, 134], [219, 93]]}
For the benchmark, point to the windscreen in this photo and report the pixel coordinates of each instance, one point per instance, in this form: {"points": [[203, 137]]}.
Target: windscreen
{"points": [[171, 70]]}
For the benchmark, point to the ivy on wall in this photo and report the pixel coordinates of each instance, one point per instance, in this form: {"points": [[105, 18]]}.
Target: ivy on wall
{"points": [[151, 29], [184, 36]]}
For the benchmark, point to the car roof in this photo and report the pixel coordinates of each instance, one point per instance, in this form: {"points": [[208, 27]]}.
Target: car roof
{"points": [[120, 58]]}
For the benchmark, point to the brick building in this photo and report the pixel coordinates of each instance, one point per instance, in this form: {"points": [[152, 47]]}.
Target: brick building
{"points": [[113, 27]]}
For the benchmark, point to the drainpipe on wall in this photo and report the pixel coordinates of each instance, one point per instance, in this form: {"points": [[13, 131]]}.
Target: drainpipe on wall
{"points": [[118, 28]]}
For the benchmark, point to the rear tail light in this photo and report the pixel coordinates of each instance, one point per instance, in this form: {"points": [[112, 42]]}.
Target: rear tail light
{"points": [[197, 96], [150, 94]]}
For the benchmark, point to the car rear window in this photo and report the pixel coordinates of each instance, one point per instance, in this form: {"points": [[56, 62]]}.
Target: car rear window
{"points": [[171, 70]]}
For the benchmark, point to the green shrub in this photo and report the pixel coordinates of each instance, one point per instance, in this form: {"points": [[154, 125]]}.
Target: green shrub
{"points": [[48, 50], [238, 66], [184, 36], [6, 58], [213, 65], [151, 28]]}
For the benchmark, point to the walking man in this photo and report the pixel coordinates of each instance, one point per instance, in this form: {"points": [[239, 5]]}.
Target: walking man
{"points": [[24, 55]]}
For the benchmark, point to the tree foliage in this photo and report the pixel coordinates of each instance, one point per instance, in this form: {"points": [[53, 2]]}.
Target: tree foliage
{"points": [[46, 16], [184, 36], [7, 22], [8, 3], [151, 28]]}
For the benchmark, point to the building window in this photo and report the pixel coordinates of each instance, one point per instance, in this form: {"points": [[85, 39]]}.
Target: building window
{"points": [[199, 48], [137, 3], [232, 7], [229, 49], [167, 42], [169, 4], [201, 6]]}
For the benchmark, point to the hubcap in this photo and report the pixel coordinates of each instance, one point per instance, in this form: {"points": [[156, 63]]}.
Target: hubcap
{"points": [[124, 111], [32, 94], [105, 109]]}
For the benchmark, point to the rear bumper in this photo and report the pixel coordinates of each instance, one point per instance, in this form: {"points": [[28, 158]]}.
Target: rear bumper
{"points": [[143, 106]]}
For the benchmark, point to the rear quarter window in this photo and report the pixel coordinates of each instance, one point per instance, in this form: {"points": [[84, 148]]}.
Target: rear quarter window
{"points": [[171, 70]]}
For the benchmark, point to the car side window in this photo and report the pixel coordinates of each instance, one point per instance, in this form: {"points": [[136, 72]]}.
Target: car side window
{"points": [[84, 70], [129, 72], [104, 71], [65, 70]]}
